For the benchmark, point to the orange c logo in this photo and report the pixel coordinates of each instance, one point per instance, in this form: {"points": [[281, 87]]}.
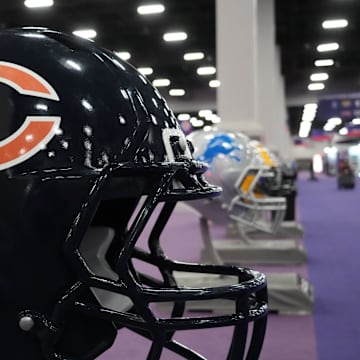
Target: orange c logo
{"points": [[36, 131]]}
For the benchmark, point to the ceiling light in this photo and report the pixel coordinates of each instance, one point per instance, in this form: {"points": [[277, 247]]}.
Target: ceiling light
{"points": [[343, 131], [145, 70], [214, 83], [204, 113], [194, 56], [319, 77], [38, 3], [124, 55], [175, 36], [177, 92], [206, 70], [305, 128], [183, 117], [305, 125], [335, 24], [328, 127], [196, 122], [212, 117], [207, 128], [161, 82], [310, 106], [324, 62], [327, 47], [308, 117], [309, 112], [86, 33], [150, 9], [215, 119], [316, 86], [334, 121]]}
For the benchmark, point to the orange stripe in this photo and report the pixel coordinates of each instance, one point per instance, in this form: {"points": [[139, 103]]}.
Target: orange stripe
{"points": [[31, 137], [266, 157], [245, 185], [21, 78]]}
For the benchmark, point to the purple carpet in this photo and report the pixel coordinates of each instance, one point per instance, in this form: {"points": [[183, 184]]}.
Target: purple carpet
{"points": [[331, 219], [287, 338]]}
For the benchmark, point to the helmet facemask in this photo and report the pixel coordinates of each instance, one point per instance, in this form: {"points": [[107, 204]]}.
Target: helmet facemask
{"points": [[254, 204], [105, 285]]}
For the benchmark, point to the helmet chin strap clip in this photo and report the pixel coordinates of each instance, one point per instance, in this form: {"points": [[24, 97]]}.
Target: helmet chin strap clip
{"points": [[26, 323], [30, 321], [43, 328]]}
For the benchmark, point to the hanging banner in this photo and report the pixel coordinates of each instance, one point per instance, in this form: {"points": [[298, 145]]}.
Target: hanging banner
{"points": [[344, 106]]}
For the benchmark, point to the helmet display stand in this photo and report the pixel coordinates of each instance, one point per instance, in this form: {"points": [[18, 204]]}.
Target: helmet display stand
{"points": [[290, 227], [244, 250], [288, 292]]}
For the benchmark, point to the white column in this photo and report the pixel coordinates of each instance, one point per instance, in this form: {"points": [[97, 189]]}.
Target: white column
{"points": [[285, 142], [266, 95], [236, 28], [270, 98]]}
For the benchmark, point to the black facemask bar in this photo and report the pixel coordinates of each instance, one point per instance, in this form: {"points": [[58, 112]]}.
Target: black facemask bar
{"points": [[249, 294]]}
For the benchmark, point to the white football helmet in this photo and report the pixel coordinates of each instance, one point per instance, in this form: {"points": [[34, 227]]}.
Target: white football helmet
{"points": [[247, 174]]}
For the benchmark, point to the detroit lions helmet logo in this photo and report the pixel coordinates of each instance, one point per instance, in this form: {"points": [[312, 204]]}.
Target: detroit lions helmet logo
{"points": [[221, 144]]}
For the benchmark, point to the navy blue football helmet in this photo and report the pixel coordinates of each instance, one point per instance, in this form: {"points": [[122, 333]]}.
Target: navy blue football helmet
{"points": [[88, 149]]}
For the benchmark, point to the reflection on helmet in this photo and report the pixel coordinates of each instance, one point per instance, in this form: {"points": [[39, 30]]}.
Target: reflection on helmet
{"points": [[88, 150], [248, 175]]}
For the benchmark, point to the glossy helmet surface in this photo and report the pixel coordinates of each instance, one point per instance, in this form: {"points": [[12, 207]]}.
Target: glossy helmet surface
{"points": [[247, 174], [88, 150]]}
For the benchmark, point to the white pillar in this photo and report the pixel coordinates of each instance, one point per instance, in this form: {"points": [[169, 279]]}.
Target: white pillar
{"points": [[270, 96], [266, 95], [236, 28], [286, 146]]}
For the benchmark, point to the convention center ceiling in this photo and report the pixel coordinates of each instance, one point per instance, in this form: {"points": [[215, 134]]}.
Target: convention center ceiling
{"points": [[121, 26]]}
